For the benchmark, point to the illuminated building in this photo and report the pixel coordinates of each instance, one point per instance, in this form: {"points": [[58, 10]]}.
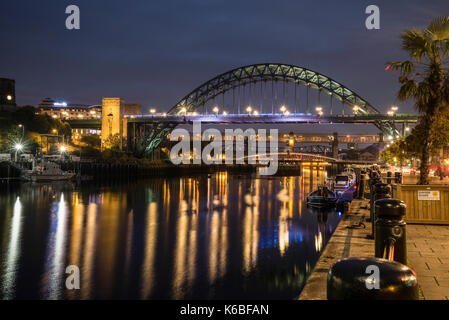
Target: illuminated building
{"points": [[68, 111]]}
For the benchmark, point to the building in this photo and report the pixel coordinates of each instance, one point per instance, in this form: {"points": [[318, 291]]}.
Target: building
{"points": [[7, 93], [68, 111], [113, 119]]}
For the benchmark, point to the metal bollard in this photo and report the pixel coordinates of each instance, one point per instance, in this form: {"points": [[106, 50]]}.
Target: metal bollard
{"points": [[381, 191], [389, 174], [352, 279], [398, 177], [390, 235]]}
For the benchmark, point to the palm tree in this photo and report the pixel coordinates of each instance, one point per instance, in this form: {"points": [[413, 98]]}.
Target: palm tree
{"points": [[425, 78]]}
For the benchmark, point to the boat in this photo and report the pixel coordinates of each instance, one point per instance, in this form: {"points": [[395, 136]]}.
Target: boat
{"points": [[46, 171], [322, 197], [343, 182]]}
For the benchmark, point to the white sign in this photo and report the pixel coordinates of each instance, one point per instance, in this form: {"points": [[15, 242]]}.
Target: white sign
{"points": [[428, 195]]}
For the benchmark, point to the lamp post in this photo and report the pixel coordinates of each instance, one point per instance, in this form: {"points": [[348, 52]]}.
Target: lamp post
{"points": [[215, 110], [23, 130], [249, 109], [18, 147]]}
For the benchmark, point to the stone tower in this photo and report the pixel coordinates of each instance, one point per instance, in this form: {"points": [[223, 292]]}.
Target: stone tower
{"points": [[112, 120]]}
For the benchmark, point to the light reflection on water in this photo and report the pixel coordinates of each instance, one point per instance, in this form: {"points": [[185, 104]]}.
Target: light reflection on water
{"points": [[209, 236]]}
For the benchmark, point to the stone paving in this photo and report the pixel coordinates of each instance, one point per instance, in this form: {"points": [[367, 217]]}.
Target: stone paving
{"points": [[428, 255], [427, 250]]}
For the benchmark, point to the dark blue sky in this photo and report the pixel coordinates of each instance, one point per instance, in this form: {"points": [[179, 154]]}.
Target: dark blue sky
{"points": [[155, 51]]}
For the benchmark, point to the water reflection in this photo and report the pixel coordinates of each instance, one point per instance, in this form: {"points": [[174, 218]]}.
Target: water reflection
{"points": [[209, 236], [9, 273]]}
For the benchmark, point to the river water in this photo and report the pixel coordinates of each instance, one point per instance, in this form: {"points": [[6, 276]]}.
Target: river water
{"points": [[218, 236]]}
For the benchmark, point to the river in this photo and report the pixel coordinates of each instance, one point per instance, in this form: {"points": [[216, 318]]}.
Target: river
{"points": [[218, 236]]}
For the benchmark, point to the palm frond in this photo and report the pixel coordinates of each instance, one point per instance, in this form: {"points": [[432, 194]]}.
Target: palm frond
{"points": [[408, 90], [416, 43], [438, 29]]}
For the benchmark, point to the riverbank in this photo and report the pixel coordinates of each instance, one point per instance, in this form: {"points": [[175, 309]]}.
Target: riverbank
{"points": [[427, 254]]}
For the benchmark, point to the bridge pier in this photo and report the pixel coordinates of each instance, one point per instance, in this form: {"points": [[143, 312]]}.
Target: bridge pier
{"points": [[335, 146]]}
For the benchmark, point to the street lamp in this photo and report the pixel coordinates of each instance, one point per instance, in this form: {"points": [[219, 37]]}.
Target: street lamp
{"points": [[215, 110], [355, 109], [390, 113], [319, 110], [394, 108], [283, 109], [225, 113], [152, 111], [23, 129], [249, 109], [256, 112], [18, 147], [183, 110]]}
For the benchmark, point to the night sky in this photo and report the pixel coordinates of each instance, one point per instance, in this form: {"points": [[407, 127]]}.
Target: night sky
{"points": [[154, 52]]}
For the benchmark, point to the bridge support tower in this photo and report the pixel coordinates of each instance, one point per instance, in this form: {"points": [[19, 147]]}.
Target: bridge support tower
{"points": [[335, 146]]}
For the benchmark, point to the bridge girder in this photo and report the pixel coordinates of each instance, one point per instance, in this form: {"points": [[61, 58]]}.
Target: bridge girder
{"points": [[266, 72]]}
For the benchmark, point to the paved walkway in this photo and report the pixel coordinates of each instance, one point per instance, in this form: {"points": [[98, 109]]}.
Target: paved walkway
{"points": [[427, 249]]}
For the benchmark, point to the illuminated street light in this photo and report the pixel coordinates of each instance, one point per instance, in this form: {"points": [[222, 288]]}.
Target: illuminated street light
{"points": [[283, 109], [390, 113], [215, 110], [225, 113], [9, 97], [256, 112], [287, 113], [394, 108], [152, 111], [291, 142], [54, 131], [183, 110], [18, 147], [62, 149], [355, 109], [390, 138], [249, 109], [407, 129]]}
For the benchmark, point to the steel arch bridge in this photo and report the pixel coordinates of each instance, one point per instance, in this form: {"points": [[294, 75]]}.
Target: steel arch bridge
{"points": [[264, 72]]}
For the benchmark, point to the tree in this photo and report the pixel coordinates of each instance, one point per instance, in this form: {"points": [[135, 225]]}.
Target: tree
{"points": [[114, 142], [93, 141], [425, 79]]}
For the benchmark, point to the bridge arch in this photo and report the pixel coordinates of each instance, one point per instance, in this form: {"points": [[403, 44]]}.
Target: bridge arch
{"points": [[270, 72], [266, 72]]}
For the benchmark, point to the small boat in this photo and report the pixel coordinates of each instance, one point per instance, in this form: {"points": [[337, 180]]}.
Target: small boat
{"points": [[343, 182], [322, 197], [46, 171]]}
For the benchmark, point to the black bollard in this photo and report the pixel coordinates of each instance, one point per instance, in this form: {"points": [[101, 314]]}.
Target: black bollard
{"points": [[371, 279], [398, 177], [381, 191], [390, 235]]}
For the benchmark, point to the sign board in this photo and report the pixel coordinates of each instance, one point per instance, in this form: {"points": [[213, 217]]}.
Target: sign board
{"points": [[428, 195]]}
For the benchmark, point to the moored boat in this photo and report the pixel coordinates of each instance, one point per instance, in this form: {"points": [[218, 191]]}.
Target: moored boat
{"points": [[322, 197], [46, 171]]}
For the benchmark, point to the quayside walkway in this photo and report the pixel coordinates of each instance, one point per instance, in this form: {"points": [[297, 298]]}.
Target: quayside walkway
{"points": [[427, 254]]}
